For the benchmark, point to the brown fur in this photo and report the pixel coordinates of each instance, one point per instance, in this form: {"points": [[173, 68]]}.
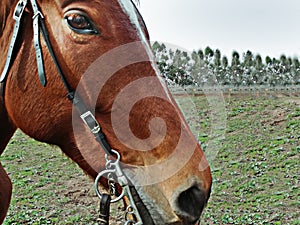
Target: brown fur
{"points": [[4, 11], [45, 114]]}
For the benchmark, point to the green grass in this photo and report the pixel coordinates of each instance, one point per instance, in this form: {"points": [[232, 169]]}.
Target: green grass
{"points": [[48, 187], [256, 172]]}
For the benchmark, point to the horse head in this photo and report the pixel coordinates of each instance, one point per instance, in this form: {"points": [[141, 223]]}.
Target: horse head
{"points": [[103, 50]]}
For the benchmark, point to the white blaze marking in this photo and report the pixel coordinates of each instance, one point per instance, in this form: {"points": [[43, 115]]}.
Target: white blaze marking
{"points": [[130, 10]]}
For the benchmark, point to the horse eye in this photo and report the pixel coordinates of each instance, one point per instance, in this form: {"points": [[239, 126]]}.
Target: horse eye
{"points": [[80, 23]]}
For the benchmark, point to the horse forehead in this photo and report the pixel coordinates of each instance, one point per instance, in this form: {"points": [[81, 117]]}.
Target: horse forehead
{"points": [[95, 3], [126, 5], [63, 3]]}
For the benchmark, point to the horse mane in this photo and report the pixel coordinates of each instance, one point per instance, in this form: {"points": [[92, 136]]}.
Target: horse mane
{"points": [[5, 7]]}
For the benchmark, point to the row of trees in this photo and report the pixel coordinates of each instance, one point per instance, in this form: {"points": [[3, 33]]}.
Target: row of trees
{"points": [[209, 66]]}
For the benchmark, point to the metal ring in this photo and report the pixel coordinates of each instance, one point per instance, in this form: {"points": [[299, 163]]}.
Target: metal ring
{"points": [[116, 153], [110, 177], [129, 210], [108, 164], [119, 197], [101, 174]]}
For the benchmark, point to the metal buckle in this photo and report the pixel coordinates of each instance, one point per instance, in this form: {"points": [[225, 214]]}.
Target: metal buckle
{"points": [[19, 10], [89, 119], [38, 13]]}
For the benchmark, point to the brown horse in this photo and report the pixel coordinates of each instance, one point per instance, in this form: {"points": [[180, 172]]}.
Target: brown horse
{"points": [[102, 48]]}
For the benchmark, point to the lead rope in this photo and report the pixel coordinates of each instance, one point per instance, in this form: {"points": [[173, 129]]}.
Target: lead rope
{"points": [[104, 210]]}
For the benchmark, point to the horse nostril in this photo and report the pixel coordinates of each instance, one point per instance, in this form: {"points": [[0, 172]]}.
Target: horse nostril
{"points": [[190, 204]]}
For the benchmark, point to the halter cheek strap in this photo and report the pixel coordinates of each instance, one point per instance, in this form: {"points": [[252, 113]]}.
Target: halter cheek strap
{"points": [[37, 18], [17, 17]]}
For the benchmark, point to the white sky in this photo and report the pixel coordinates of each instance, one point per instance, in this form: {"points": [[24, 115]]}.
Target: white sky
{"points": [[268, 27]]}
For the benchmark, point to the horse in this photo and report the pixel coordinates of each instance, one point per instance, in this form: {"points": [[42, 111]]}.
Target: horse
{"points": [[81, 75]]}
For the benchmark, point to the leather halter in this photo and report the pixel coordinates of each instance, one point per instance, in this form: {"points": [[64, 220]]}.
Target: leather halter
{"points": [[17, 17], [85, 114], [39, 27]]}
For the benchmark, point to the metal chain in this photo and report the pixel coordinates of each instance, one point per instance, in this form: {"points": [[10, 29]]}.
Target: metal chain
{"points": [[111, 185], [129, 213], [132, 215], [110, 178]]}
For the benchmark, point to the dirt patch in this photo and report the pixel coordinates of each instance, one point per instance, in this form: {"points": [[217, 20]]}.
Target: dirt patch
{"points": [[278, 117], [293, 100]]}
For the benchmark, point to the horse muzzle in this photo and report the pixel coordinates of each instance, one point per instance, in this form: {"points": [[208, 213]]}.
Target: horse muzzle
{"points": [[184, 208]]}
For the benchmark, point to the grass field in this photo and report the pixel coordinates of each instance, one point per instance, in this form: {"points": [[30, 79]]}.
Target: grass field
{"points": [[256, 171]]}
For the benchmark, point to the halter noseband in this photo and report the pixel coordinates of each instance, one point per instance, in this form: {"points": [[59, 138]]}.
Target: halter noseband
{"points": [[113, 170]]}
